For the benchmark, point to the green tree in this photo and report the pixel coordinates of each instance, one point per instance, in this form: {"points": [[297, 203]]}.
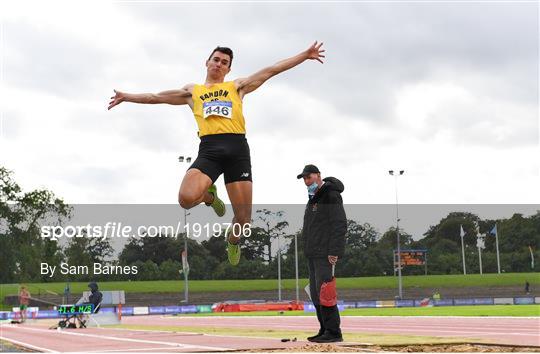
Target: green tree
{"points": [[22, 248], [85, 251], [267, 226]]}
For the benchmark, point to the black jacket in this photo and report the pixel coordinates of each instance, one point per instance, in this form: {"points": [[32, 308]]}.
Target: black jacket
{"points": [[95, 297], [325, 222]]}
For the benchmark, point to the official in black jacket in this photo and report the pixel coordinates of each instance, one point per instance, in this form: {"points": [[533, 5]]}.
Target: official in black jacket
{"points": [[325, 225], [95, 297]]}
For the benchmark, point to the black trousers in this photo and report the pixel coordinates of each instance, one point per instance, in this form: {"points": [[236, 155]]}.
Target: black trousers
{"points": [[320, 271]]}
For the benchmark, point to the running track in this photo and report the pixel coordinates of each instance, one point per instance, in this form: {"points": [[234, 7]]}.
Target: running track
{"points": [[499, 330]]}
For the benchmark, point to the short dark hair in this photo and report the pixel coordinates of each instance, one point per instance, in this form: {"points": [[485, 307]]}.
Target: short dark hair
{"points": [[223, 50]]}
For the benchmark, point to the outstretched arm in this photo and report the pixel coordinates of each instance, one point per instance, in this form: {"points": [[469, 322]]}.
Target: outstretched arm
{"points": [[175, 97], [251, 83]]}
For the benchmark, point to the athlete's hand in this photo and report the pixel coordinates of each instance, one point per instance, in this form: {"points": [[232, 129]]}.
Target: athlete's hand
{"points": [[315, 52], [118, 98], [332, 259]]}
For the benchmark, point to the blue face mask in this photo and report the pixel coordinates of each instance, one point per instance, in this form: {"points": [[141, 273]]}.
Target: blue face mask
{"points": [[311, 189]]}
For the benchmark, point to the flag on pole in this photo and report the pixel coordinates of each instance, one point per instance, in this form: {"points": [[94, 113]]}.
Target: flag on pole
{"points": [[308, 291], [462, 233], [185, 264], [494, 232]]}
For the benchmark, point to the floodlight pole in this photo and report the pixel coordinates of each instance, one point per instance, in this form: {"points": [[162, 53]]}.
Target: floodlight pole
{"points": [[186, 269], [400, 284]]}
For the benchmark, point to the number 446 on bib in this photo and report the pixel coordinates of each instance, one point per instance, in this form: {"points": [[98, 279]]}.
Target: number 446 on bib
{"points": [[217, 108]]}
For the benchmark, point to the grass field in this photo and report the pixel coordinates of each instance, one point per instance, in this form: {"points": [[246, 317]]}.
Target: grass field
{"points": [[484, 310], [419, 281]]}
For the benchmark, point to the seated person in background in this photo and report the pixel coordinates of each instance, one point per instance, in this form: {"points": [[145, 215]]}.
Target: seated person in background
{"points": [[95, 297]]}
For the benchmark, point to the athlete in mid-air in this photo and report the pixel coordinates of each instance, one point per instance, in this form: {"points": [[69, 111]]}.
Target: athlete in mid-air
{"points": [[217, 107]]}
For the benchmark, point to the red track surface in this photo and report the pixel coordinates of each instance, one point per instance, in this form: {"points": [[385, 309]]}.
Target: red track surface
{"points": [[512, 331], [39, 337]]}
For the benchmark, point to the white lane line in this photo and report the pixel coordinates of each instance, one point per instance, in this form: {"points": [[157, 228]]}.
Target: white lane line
{"points": [[417, 331], [27, 345], [354, 316], [121, 350], [193, 334], [172, 344], [465, 328]]}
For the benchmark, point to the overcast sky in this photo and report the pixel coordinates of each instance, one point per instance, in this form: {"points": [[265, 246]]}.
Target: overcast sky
{"points": [[446, 91]]}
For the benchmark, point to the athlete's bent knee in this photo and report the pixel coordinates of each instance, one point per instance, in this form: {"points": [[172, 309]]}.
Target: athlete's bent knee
{"points": [[187, 200]]}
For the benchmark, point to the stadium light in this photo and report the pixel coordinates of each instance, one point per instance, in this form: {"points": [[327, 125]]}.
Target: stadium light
{"points": [[400, 284], [186, 271]]}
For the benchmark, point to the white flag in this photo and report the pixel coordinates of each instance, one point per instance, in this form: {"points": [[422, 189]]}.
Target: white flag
{"points": [[308, 291], [480, 241], [461, 232]]}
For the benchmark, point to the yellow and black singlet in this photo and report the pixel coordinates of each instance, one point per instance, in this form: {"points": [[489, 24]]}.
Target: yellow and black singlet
{"points": [[218, 109]]}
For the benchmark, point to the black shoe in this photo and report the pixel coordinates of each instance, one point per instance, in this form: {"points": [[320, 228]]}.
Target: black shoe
{"points": [[321, 332], [328, 337]]}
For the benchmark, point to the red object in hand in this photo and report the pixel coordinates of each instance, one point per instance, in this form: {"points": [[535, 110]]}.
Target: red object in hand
{"points": [[328, 294]]}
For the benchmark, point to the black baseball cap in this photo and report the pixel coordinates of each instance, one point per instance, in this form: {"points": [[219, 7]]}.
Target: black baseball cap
{"points": [[308, 169]]}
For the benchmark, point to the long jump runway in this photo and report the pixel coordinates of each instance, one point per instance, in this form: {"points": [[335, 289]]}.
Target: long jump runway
{"points": [[40, 338], [496, 330]]}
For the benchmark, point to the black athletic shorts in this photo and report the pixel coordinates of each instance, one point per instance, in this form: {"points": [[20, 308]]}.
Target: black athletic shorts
{"points": [[224, 153]]}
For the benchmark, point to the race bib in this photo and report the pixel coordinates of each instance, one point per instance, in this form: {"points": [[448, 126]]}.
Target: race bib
{"points": [[217, 108]]}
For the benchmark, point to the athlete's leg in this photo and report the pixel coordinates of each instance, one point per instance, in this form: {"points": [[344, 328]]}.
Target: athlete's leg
{"points": [[194, 189], [240, 195]]}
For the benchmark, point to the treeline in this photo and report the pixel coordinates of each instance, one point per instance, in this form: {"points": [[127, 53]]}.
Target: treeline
{"points": [[368, 252]]}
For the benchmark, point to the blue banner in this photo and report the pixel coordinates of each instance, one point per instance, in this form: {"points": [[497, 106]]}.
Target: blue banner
{"points": [[404, 303], [463, 302], [483, 301], [127, 311], [188, 309], [349, 305], [107, 310], [308, 306], [154, 310], [524, 300], [47, 314], [172, 309], [443, 302]]}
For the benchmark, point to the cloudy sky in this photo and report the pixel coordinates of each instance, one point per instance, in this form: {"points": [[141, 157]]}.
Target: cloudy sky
{"points": [[447, 91]]}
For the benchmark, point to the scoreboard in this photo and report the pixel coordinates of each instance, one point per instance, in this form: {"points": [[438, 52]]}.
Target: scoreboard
{"points": [[411, 257]]}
